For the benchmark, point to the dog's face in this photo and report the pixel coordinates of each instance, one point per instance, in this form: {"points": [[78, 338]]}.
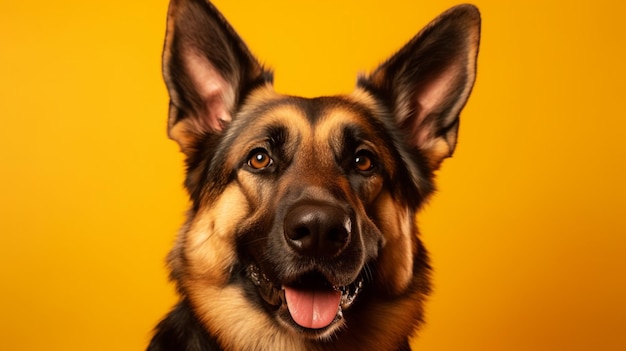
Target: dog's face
{"points": [[303, 209], [312, 176]]}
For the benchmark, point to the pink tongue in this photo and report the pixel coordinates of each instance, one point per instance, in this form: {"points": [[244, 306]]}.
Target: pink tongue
{"points": [[313, 309]]}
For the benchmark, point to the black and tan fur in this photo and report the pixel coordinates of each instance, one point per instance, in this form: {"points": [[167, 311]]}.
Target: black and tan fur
{"points": [[260, 163]]}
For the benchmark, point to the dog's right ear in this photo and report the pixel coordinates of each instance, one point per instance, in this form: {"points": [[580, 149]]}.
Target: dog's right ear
{"points": [[207, 69]]}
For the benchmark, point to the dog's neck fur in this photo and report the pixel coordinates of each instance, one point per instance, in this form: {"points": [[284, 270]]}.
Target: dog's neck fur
{"points": [[181, 330]]}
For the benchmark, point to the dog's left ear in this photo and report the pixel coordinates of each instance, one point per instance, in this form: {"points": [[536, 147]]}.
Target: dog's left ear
{"points": [[429, 80]]}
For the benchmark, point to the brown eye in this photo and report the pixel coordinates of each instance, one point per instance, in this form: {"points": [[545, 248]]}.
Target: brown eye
{"points": [[259, 160], [363, 161]]}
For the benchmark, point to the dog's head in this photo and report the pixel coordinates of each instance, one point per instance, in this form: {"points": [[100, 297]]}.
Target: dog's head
{"points": [[303, 209]]}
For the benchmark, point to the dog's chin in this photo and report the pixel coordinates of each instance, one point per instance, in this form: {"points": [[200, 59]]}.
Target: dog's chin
{"points": [[309, 304]]}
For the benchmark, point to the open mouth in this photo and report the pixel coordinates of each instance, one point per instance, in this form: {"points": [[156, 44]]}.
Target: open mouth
{"points": [[312, 302]]}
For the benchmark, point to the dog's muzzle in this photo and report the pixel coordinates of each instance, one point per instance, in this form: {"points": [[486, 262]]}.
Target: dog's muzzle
{"points": [[324, 275]]}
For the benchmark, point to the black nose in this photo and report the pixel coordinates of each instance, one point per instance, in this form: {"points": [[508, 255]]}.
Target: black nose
{"points": [[317, 230]]}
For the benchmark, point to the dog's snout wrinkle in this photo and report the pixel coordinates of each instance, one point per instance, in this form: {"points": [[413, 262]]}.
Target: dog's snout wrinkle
{"points": [[317, 230]]}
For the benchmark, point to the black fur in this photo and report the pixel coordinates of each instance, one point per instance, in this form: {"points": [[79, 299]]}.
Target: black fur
{"points": [[181, 331]]}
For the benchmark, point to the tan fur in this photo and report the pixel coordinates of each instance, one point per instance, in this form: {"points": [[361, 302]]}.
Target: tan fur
{"points": [[436, 151], [260, 97], [395, 265], [209, 247], [239, 325]]}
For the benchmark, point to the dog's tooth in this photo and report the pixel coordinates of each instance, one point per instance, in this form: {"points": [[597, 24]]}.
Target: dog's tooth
{"points": [[339, 313], [253, 274]]}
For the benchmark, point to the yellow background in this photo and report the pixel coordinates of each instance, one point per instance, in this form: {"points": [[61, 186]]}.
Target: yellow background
{"points": [[527, 232]]}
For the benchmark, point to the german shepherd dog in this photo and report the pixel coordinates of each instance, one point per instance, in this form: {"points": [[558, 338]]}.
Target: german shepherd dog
{"points": [[302, 233]]}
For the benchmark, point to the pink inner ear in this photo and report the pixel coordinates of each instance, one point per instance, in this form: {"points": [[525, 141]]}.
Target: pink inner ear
{"points": [[216, 93], [432, 96]]}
